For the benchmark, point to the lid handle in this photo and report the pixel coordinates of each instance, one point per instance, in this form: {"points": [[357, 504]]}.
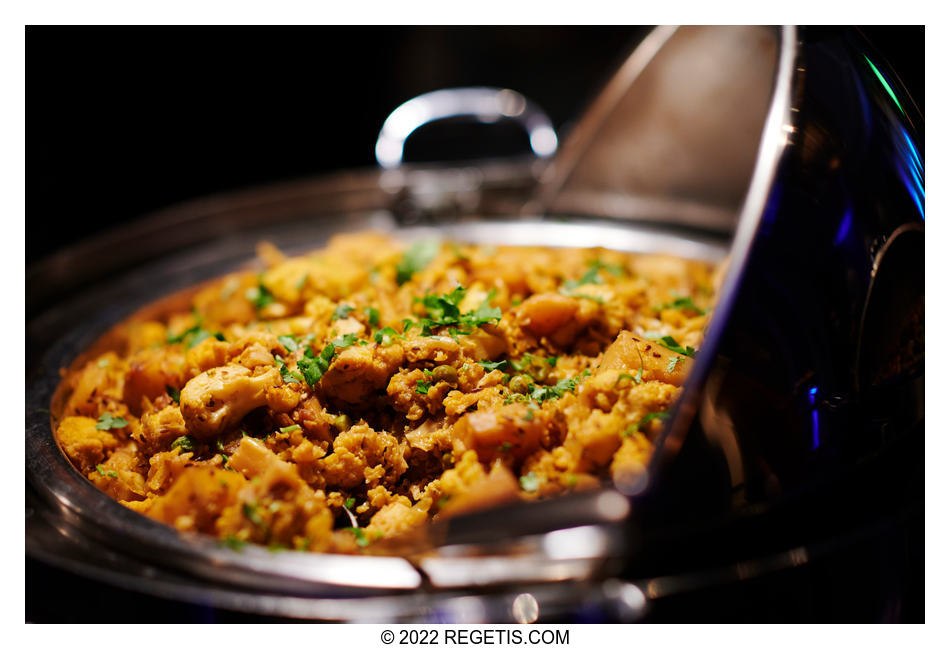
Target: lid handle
{"points": [[483, 104]]}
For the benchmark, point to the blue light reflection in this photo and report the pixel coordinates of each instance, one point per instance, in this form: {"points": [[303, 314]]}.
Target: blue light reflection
{"points": [[844, 227], [910, 161], [814, 417]]}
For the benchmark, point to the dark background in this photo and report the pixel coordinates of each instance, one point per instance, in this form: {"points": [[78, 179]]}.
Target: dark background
{"points": [[122, 121]]}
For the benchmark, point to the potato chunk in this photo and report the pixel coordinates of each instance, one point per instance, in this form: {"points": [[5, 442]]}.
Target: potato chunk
{"points": [[627, 353], [220, 397]]}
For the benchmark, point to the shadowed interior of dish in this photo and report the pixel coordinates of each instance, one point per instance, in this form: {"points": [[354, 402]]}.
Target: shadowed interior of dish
{"points": [[333, 401]]}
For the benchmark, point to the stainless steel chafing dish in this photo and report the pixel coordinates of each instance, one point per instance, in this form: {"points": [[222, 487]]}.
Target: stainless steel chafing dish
{"points": [[715, 143]]}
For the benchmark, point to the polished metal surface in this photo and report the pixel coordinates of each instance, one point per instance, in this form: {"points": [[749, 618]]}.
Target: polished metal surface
{"points": [[483, 104], [773, 428]]}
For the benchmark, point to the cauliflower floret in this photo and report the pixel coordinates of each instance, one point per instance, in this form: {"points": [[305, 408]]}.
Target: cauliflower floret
{"points": [[220, 397], [357, 371], [85, 445]]}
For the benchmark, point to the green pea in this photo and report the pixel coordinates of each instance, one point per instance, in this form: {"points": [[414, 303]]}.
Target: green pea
{"points": [[445, 373], [539, 372], [519, 384]]}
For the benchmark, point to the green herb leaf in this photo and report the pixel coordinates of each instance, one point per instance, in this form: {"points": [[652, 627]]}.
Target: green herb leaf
{"points": [[614, 269], [341, 312], [100, 469], [361, 539], [682, 303], [260, 296], [107, 422], [386, 336], [350, 502], [233, 542], [193, 336], [416, 258], [556, 391], [673, 361], [289, 343], [250, 513], [645, 420], [185, 442], [344, 341], [314, 367], [422, 387], [372, 315], [112, 474], [490, 365], [670, 343], [173, 393], [529, 482]]}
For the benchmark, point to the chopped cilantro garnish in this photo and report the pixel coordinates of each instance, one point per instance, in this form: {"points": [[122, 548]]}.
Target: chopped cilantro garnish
{"points": [[313, 367], [260, 296], [290, 429], [250, 513], [556, 391], [341, 312], [233, 542], [551, 360], [529, 482], [490, 365], [385, 336], [349, 503], [443, 311], [625, 376], [288, 375], [173, 393], [670, 343], [108, 421], [372, 315], [673, 361], [422, 387], [185, 442], [645, 420], [614, 269], [361, 539], [344, 341], [194, 335], [289, 343], [592, 276], [683, 303], [587, 296], [416, 258]]}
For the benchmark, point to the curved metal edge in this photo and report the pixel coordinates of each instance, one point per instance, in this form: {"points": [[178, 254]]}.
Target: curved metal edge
{"points": [[481, 103], [772, 146], [584, 134]]}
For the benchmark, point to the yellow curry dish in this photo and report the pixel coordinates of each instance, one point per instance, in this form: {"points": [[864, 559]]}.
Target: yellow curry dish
{"points": [[333, 400]]}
